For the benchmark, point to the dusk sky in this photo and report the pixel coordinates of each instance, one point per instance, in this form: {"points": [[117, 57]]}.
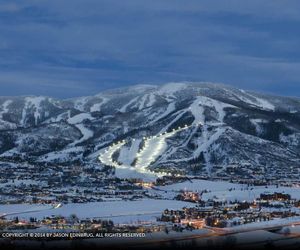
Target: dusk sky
{"points": [[80, 47]]}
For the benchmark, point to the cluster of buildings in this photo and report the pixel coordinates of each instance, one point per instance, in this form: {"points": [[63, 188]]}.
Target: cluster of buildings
{"points": [[71, 223], [228, 214], [189, 196], [77, 184], [65, 184], [246, 172], [74, 224]]}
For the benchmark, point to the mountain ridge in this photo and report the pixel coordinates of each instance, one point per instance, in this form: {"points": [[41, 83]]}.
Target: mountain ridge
{"points": [[45, 130]]}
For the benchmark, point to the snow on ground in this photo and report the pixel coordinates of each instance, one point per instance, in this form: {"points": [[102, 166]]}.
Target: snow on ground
{"points": [[276, 222], [292, 139], [80, 118], [198, 185], [146, 101], [131, 172], [264, 103], [61, 117], [207, 140], [127, 155], [203, 144], [35, 103], [154, 146], [106, 156], [220, 190], [178, 115], [201, 101], [242, 194], [152, 100], [118, 211], [170, 89], [79, 103], [218, 106], [86, 134], [170, 109], [4, 109], [197, 111], [257, 123], [22, 208], [124, 169], [62, 155], [257, 102], [143, 101], [97, 106], [77, 121], [23, 182], [124, 108]]}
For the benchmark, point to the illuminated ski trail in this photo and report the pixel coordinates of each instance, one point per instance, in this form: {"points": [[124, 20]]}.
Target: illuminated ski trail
{"points": [[154, 146], [106, 157]]}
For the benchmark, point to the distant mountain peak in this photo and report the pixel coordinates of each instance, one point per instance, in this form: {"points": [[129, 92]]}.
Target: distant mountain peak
{"points": [[191, 127]]}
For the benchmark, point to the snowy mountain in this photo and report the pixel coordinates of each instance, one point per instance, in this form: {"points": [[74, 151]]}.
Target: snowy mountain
{"points": [[199, 128]]}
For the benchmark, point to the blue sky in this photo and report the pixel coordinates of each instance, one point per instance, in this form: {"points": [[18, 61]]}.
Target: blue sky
{"points": [[74, 48]]}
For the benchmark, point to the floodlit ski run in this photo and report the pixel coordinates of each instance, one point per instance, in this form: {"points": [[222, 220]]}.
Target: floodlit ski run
{"points": [[153, 147]]}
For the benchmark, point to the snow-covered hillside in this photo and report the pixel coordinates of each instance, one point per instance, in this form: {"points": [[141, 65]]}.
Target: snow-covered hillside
{"points": [[199, 128]]}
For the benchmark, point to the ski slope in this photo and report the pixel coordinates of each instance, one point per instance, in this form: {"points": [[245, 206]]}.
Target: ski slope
{"points": [[153, 148]]}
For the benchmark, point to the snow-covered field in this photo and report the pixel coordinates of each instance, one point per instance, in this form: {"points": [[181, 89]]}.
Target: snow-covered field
{"points": [[198, 185], [226, 191], [118, 211]]}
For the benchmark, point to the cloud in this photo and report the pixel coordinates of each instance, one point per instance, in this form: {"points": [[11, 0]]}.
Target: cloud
{"points": [[87, 46], [9, 8]]}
